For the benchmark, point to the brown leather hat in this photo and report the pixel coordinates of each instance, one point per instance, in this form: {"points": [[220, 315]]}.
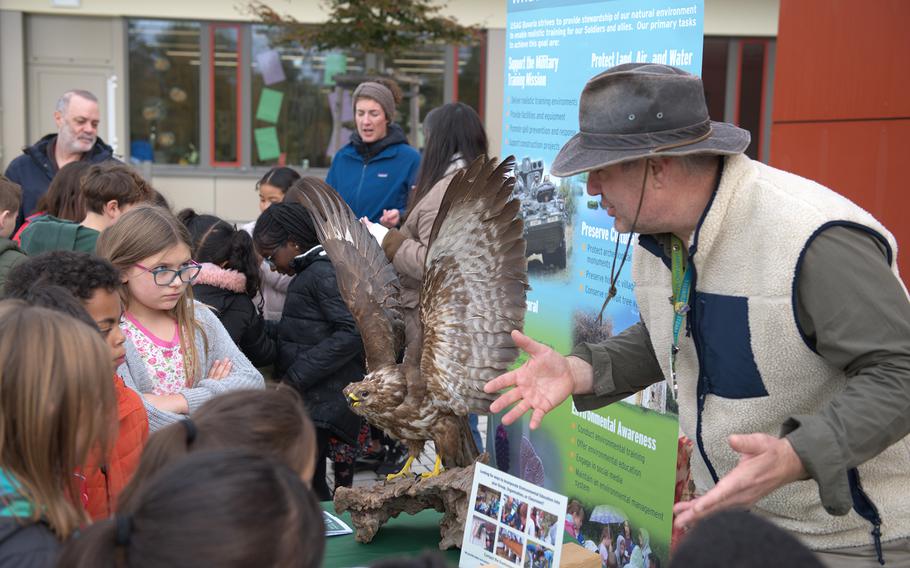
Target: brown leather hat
{"points": [[643, 110]]}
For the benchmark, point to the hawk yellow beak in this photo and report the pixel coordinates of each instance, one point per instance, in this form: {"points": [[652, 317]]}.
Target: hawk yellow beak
{"points": [[354, 400]]}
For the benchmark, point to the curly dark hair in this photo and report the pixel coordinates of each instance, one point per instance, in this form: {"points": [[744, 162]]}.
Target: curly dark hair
{"points": [[79, 272], [57, 298]]}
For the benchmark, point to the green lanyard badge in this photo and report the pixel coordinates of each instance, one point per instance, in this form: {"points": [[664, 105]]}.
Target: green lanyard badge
{"points": [[682, 281]]}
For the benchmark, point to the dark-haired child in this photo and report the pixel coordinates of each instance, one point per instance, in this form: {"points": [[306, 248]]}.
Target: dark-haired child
{"points": [[272, 188], [63, 199], [211, 508], [10, 199], [272, 422], [319, 347], [107, 191], [229, 281], [95, 283]]}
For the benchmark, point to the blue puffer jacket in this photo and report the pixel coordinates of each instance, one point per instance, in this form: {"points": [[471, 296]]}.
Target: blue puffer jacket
{"points": [[34, 171], [379, 182]]}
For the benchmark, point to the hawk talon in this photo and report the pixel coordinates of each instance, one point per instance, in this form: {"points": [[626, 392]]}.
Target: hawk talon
{"points": [[405, 471], [437, 469]]}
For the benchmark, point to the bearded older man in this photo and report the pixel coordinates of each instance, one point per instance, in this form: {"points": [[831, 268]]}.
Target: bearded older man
{"points": [[786, 340], [77, 119]]}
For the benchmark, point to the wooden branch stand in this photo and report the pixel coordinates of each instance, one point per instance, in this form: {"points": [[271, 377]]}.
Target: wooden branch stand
{"points": [[447, 493]]}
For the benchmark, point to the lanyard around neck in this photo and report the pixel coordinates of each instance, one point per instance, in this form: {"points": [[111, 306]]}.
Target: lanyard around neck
{"points": [[682, 282]]}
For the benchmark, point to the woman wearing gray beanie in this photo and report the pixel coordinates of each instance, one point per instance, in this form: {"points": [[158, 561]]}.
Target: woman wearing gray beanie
{"points": [[375, 171]]}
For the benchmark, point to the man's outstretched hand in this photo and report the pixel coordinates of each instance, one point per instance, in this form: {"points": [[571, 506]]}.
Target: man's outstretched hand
{"points": [[541, 384]]}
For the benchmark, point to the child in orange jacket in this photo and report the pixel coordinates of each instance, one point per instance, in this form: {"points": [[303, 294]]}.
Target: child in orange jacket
{"points": [[94, 282]]}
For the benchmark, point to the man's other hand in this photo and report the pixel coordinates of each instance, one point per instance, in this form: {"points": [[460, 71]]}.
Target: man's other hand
{"points": [[765, 464]]}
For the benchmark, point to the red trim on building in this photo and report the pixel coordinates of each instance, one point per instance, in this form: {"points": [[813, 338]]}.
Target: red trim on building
{"points": [[762, 128], [455, 49], [739, 80]]}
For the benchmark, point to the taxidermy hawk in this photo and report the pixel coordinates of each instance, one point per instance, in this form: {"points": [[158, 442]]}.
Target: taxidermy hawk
{"points": [[472, 295]]}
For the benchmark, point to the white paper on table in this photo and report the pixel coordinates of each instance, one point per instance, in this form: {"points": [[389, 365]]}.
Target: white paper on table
{"points": [[334, 526]]}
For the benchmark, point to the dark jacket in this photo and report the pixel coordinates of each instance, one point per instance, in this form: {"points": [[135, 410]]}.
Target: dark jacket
{"points": [[47, 233], [29, 545], [34, 170], [10, 256], [319, 347], [224, 291], [377, 176]]}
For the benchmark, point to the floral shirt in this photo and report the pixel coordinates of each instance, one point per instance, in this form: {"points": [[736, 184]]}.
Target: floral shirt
{"points": [[163, 358]]}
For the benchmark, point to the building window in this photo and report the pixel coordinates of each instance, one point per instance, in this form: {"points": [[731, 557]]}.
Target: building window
{"points": [[736, 74], [471, 69], [224, 109], [164, 91], [750, 103], [425, 66], [237, 95], [714, 75], [291, 102]]}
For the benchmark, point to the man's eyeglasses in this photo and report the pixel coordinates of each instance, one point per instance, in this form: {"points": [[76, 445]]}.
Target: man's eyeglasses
{"points": [[165, 276]]}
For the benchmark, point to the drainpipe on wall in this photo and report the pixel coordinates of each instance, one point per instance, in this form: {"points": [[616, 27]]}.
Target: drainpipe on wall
{"points": [[112, 139]]}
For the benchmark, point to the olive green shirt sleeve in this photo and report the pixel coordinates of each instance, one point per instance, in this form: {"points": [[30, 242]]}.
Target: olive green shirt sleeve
{"points": [[623, 365], [855, 311]]}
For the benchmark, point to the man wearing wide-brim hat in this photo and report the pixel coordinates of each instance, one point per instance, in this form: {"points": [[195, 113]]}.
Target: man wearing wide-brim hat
{"points": [[786, 337]]}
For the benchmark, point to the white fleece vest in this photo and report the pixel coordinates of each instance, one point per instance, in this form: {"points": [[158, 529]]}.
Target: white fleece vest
{"points": [[756, 369]]}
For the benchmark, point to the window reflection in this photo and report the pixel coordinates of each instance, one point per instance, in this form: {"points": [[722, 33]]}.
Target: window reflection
{"points": [[299, 114], [164, 91], [225, 94], [290, 106]]}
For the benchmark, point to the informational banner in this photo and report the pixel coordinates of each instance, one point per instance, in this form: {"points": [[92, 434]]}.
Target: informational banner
{"points": [[617, 465]]}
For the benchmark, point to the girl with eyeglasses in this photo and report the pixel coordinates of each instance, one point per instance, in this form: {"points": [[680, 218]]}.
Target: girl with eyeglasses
{"points": [[178, 355]]}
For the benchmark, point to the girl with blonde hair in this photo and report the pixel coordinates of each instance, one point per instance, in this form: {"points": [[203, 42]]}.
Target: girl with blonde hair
{"points": [[56, 402], [178, 355]]}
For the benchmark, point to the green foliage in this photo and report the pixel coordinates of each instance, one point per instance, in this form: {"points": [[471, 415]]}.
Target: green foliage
{"points": [[382, 27], [565, 190]]}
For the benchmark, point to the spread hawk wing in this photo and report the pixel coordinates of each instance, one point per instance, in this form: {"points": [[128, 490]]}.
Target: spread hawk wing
{"points": [[367, 282], [474, 286]]}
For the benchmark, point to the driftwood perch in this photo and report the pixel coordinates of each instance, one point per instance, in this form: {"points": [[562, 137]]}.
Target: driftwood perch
{"points": [[447, 493]]}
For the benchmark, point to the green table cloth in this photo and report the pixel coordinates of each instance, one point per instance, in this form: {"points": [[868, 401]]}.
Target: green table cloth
{"points": [[405, 535]]}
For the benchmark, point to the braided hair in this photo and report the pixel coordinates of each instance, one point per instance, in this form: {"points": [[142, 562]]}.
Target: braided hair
{"points": [[217, 241], [285, 222]]}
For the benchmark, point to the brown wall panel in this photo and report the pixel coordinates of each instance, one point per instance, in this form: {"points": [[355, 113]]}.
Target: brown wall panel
{"points": [[864, 161], [842, 59]]}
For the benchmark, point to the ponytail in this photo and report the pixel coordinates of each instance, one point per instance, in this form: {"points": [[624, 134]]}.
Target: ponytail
{"points": [[214, 508], [273, 422], [243, 259], [218, 242]]}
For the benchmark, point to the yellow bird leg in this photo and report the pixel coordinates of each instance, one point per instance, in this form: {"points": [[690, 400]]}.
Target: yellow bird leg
{"points": [[437, 468], [405, 471]]}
